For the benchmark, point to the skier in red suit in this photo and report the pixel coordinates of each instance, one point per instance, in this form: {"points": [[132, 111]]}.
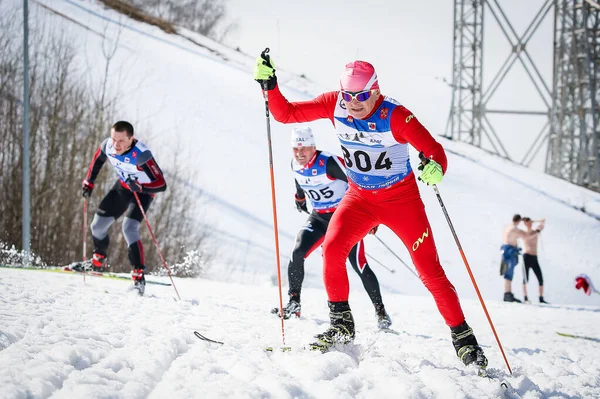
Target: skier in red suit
{"points": [[374, 132]]}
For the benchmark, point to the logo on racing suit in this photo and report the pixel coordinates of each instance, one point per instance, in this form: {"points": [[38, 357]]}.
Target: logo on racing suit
{"points": [[420, 240]]}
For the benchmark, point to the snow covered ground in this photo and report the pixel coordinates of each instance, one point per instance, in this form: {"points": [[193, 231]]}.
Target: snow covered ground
{"points": [[62, 338]]}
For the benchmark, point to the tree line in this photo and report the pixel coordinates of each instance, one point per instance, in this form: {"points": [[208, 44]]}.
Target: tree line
{"points": [[69, 118]]}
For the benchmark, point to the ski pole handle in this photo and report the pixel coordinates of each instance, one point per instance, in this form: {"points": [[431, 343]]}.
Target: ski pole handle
{"points": [[424, 161], [265, 55]]}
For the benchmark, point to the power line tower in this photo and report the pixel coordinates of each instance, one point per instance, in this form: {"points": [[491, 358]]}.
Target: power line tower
{"points": [[569, 98], [469, 111], [574, 145], [464, 122]]}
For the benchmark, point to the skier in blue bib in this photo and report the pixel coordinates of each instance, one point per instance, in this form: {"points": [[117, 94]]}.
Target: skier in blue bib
{"points": [[320, 176]]}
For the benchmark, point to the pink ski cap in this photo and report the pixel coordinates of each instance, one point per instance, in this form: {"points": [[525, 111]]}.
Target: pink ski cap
{"points": [[359, 76]]}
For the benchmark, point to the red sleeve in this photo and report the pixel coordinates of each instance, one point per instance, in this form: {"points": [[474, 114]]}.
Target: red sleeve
{"points": [[321, 107], [406, 128]]}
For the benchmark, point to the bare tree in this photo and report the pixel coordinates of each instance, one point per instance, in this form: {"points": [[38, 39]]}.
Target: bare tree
{"points": [[68, 122], [201, 16]]}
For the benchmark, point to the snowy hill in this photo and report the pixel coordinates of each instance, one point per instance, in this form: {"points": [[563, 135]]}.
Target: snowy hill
{"points": [[205, 105], [64, 339]]}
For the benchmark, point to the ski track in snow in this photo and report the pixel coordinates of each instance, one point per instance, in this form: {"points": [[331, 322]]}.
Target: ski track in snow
{"points": [[64, 351], [70, 340]]}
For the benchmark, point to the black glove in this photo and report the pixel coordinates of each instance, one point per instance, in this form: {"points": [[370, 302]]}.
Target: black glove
{"points": [[133, 185], [264, 71], [86, 188], [301, 204]]}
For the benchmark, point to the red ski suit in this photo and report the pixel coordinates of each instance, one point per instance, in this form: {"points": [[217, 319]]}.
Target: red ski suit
{"points": [[398, 206]]}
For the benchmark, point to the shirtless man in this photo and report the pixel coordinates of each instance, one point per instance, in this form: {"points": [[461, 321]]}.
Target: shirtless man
{"points": [[510, 255], [530, 242]]}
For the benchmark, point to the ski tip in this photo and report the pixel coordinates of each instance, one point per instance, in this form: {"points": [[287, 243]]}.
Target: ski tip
{"points": [[578, 336], [202, 337], [504, 384]]}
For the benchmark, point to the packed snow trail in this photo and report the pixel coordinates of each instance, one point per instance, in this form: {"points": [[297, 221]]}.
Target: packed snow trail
{"points": [[62, 338]]}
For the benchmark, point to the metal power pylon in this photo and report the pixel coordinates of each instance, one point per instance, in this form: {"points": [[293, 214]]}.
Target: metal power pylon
{"points": [[464, 122], [468, 120], [570, 100], [574, 146]]}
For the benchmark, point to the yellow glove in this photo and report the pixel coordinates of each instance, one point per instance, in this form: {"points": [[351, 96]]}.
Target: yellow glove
{"points": [[431, 172], [264, 71]]}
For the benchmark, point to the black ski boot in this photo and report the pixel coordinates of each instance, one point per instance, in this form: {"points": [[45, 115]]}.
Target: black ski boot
{"points": [[383, 319], [509, 297], [292, 308], [81, 267], [543, 301], [139, 282], [341, 330], [467, 348]]}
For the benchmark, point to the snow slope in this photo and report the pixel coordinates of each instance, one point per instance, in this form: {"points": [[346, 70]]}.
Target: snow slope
{"points": [[61, 338]]}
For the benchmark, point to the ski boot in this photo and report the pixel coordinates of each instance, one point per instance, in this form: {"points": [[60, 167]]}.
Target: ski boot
{"points": [[509, 297], [383, 318], [467, 348], [139, 282], [341, 330], [98, 263], [543, 301], [80, 267], [292, 308]]}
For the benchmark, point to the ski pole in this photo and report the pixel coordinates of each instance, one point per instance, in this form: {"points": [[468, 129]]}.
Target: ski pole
{"points": [[84, 236], [265, 56], [424, 162], [155, 242], [393, 253], [384, 266]]}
